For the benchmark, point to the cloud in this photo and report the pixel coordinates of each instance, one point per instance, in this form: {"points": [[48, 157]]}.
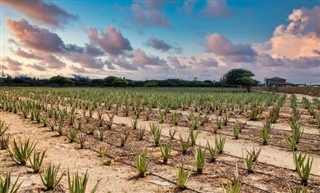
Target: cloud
{"points": [[44, 12], [51, 61], [188, 6], [300, 38], [217, 8], [123, 63], [148, 13], [175, 63], [221, 46], [24, 54], [13, 65], [77, 70], [161, 45], [111, 41], [142, 59], [35, 37], [37, 67]]}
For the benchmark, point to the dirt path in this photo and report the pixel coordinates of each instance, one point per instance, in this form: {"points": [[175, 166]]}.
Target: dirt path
{"points": [[271, 155], [114, 178]]}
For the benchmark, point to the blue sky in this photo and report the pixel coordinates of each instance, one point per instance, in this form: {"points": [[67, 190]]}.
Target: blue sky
{"points": [[143, 39]]}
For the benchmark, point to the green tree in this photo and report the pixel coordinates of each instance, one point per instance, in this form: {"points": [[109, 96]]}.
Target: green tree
{"points": [[60, 80], [240, 77]]}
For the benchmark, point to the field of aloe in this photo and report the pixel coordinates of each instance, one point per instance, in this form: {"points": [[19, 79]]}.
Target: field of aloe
{"points": [[157, 140]]}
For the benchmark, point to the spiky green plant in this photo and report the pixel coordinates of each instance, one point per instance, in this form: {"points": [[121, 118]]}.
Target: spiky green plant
{"points": [[162, 116], [72, 135], [213, 152], [124, 135], [291, 142], [266, 131], [82, 140], [3, 127], [165, 152], [303, 167], [193, 135], [6, 186], [91, 130], [236, 131], [78, 184], [172, 133], [255, 154], [156, 133], [21, 152], [108, 122], [200, 158], [101, 134], [59, 129], [50, 178], [141, 133], [296, 131], [175, 118], [134, 124], [102, 152], [44, 121], [219, 122], [195, 122], [142, 162], [184, 144], [37, 160], [299, 189], [4, 141], [235, 186], [183, 176], [249, 162], [219, 143]]}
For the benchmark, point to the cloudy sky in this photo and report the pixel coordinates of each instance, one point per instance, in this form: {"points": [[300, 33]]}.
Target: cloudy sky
{"points": [[160, 39]]}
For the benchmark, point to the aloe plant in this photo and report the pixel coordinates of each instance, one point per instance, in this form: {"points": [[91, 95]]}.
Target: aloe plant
{"points": [[184, 143], [213, 152], [200, 158], [50, 178], [37, 160], [72, 135], [165, 152], [303, 166], [21, 152], [156, 133], [235, 186], [78, 184], [175, 118], [183, 176], [142, 162], [134, 123], [7, 187], [193, 135], [219, 143]]}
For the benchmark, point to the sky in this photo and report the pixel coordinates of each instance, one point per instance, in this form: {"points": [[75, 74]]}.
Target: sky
{"points": [[161, 39]]}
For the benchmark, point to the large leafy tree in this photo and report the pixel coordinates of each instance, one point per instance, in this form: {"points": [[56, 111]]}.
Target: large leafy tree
{"points": [[240, 77], [60, 80]]}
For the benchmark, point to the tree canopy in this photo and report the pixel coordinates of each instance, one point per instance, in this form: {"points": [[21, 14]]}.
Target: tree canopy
{"points": [[240, 77]]}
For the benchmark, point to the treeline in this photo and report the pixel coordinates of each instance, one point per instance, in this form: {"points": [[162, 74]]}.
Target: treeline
{"points": [[110, 81]]}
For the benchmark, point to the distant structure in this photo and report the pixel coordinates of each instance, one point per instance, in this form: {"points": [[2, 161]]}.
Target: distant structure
{"points": [[277, 82]]}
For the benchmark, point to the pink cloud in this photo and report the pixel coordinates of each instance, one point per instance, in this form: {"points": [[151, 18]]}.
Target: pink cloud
{"points": [[37, 67], [35, 37], [161, 45], [13, 65], [142, 59], [221, 46], [24, 54], [111, 41], [149, 14], [217, 8], [47, 13], [51, 61]]}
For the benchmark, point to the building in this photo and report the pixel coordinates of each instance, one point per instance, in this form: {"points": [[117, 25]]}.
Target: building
{"points": [[277, 82]]}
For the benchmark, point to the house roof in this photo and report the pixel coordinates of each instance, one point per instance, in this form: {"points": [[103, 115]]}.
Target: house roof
{"points": [[276, 78]]}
